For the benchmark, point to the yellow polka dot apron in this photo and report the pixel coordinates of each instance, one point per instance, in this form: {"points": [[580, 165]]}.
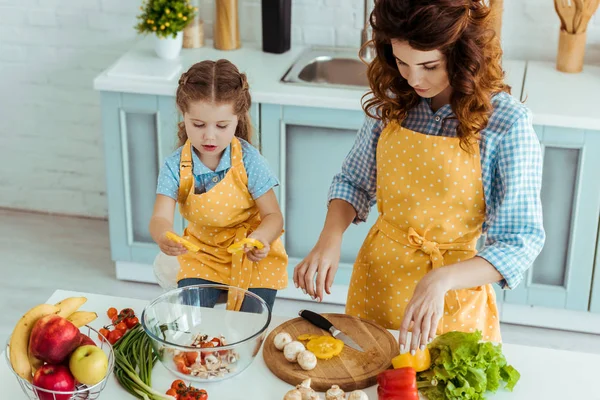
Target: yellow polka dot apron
{"points": [[431, 209], [218, 218]]}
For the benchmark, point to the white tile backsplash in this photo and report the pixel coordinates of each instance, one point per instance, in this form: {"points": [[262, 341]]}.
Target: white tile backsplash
{"points": [[51, 49]]}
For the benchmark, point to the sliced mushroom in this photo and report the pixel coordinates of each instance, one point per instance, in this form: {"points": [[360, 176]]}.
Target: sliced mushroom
{"points": [[281, 339], [358, 395], [335, 393], [212, 362], [291, 350]]}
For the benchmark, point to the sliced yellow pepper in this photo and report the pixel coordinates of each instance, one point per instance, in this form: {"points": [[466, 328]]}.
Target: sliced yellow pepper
{"points": [[239, 246], [421, 361], [307, 336], [186, 243], [325, 347]]}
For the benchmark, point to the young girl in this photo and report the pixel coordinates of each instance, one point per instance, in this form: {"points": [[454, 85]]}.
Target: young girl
{"points": [[224, 189]]}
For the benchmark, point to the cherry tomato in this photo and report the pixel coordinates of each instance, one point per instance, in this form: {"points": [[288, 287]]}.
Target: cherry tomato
{"points": [[114, 336], [216, 341], [114, 319], [103, 332], [131, 322], [111, 312], [172, 392], [191, 357], [127, 313], [178, 384], [180, 364], [121, 326]]}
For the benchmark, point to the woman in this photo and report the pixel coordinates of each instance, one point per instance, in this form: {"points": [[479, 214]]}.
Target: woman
{"points": [[446, 154]]}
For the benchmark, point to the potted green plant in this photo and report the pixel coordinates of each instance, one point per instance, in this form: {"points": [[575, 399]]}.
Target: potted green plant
{"points": [[166, 19]]}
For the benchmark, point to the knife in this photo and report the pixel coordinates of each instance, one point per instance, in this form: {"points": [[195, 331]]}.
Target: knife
{"points": [[323, 323]]}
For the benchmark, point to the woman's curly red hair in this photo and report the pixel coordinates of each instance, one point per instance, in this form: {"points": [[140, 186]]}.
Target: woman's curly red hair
{"points": [[461, 30]]}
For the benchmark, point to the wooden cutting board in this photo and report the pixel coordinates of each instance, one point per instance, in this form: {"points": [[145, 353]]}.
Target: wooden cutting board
{"points": [[351, 370]]}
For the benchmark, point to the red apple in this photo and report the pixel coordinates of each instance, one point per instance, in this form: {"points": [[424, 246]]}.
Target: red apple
{"points": [[53, 377], [53, 339], [86, 340]]}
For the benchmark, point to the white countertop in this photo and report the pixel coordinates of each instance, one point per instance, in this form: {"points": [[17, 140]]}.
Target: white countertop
{"points": [[264, 72], [139, 71], [560, 99], [545, 373]]}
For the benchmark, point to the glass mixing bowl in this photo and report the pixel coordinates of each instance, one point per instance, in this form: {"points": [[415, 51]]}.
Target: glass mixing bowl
{"points": [[198, 339]]}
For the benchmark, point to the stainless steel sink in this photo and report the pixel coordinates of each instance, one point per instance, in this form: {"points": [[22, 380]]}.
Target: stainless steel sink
{"points": [[328, 68]]}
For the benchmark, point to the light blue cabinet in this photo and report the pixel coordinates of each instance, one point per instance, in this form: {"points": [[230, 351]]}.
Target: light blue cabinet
{"points": [[561, 276], [139, 131], [306, 147]]}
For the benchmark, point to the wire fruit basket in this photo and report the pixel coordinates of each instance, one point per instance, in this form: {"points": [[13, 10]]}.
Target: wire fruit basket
{"points": [[81, 392]]}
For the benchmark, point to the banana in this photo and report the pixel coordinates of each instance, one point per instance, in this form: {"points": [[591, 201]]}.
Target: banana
{"points": [[19, 340], [69, 305], [81, 318], [35, 363]]}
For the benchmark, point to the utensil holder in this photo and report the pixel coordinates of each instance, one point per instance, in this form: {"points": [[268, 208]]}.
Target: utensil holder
{"points": [[571, 51], [226, 27]]}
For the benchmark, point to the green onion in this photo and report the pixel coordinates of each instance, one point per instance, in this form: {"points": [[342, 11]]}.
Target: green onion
{"points": [[134, 360]]}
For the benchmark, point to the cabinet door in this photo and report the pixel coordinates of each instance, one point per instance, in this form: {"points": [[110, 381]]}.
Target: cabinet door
{"points": [[306, 148], [561, 276], [139, 131]]}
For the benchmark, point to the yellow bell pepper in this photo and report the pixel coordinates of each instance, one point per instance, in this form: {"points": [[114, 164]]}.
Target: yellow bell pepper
{"points": [[239, 246], [186, 243], [325, 347], [307, 336], [421, 361]]}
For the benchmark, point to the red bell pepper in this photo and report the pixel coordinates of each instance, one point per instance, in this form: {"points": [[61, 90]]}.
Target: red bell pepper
{"points": [[398, 384]]}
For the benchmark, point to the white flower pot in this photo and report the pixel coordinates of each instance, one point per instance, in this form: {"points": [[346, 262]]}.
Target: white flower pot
{"points": [[168, 48]]}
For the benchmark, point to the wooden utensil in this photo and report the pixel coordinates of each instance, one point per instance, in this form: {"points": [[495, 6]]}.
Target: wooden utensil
{"points": [[585, 11], [351, 370], [566, 11]]}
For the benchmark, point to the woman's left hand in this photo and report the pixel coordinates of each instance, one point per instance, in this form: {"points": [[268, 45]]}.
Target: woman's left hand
{"points": [[255, 254], [424, 311]]}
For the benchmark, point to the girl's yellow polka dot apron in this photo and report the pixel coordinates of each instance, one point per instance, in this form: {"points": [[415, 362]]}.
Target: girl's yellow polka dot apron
{"points": [[218, 218], [431, 209]]}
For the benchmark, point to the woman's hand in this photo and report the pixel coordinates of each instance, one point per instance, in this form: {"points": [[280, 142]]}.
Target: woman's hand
{"points": [[424, 311], [255, 254], [170, 247], [322, 260]]}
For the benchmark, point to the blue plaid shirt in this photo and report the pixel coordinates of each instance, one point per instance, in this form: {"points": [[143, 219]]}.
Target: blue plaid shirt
{"points": [[511, 162]]}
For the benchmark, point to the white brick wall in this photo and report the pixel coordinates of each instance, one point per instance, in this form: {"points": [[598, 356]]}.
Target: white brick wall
{"points": [[51, 154]]}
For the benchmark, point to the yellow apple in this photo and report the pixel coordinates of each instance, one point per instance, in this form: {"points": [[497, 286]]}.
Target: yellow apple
{"points": [[88, 364]]}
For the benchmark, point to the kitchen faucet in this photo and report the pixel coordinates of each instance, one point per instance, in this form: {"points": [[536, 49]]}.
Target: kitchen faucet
{"points": [[367, 50]]}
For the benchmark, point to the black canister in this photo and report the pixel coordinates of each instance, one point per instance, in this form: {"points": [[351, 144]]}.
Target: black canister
{"points": [[276, 25]]}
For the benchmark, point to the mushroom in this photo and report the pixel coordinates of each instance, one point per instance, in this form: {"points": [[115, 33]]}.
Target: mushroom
{"points": [[358, 395], [292, 349], [335, 393], [307, 392], [307, 360], [293, 394], [212, 362], [281, 339]]}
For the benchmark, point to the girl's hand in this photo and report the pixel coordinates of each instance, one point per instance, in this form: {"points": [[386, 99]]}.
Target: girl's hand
{"points": [[423, 311], [322, 260], [169, 247], [255, 254]]}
